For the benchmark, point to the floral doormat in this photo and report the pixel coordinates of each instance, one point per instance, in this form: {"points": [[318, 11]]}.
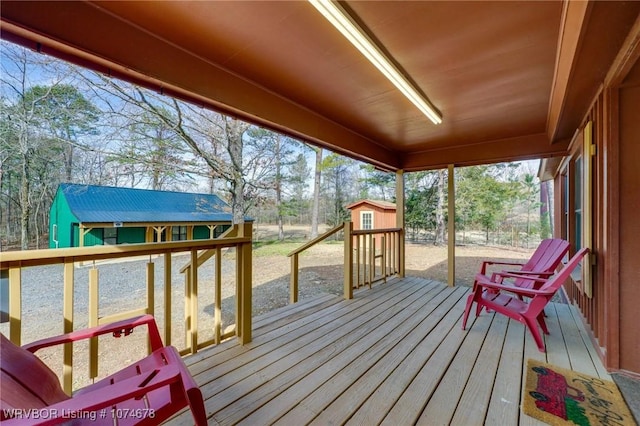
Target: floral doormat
{"points": [[558, 396]]}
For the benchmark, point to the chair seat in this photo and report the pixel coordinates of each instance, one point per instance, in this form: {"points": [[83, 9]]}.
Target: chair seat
{"points": [[510, 300], [500, 301], [136, 411]]}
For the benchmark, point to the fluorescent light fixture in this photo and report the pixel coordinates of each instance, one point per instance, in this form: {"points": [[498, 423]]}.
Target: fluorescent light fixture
{"points": [[340, 19]]}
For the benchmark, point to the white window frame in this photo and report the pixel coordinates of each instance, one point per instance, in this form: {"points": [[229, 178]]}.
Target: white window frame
{"points": [[363, 213]]}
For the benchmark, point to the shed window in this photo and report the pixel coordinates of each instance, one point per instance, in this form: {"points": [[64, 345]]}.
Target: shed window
{"points": [[366, 220], [178, 233]]}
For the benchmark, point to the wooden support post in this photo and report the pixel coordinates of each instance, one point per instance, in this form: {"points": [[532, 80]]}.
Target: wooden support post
{"points": [[246, 285], [348, 261], [400, 220], [451, 227]]}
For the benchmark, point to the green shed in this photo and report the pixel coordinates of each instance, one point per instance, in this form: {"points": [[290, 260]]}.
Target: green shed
{"points": [[89, 215]]}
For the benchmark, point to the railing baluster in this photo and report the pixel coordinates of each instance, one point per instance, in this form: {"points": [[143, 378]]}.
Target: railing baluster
{"points": [[194, 301], [187, 307], [383, 247], [94, 293], [348, 261], [150, 294], [218, 297], [167, 298], [67, 313], [293, 280]]}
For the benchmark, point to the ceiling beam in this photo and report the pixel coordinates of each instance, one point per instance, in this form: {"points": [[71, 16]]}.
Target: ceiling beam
{"points": [[512, 149], [575, 15]]}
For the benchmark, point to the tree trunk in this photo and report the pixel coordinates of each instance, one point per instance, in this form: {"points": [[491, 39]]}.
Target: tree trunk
{"points": [[25, 204], [234, 134], [279, 188], [316, 193], [546, 224]]}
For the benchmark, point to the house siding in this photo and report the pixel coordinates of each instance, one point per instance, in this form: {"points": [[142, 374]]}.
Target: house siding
{"points": [[611, 312], [382, 218], [629, 221], [62, 217]]}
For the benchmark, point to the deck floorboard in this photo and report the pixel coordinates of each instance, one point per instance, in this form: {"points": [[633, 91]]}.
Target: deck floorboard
{"points": [[393, 355]]}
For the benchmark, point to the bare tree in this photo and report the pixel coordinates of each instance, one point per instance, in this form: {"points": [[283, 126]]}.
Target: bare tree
{"points": [[317, 178]]}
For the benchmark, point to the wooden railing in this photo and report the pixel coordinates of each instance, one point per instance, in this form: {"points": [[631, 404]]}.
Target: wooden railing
{"points": [[366, 249], [15, 262], [294, 255], [377, 255]]}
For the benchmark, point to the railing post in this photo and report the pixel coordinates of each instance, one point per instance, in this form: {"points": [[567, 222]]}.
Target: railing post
{"points": [[15, 305], [348, 261], [246, 286], [293, 280]]}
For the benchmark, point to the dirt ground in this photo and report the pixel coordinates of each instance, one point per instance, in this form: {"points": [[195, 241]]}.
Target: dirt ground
{"points": [[321, 266]]}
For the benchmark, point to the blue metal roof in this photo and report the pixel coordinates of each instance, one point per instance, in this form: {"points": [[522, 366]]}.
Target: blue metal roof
{"points": [[93, 203]]}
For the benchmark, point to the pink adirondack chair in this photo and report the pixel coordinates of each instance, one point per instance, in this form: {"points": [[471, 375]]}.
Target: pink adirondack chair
{"points": [[542, 264], [147, 392], [495, 297]]}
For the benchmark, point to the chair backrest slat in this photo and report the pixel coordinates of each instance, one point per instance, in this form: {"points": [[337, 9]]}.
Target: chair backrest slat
{"points": [[554, 283]]}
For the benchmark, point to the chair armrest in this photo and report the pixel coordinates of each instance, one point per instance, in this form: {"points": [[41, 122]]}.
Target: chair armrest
{"points": [[100, 401], [485, 263], [530, 277], [539, 273], [117, 328], [484, 282]]}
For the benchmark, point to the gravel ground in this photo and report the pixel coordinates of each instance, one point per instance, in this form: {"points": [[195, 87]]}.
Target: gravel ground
{"points": [[122, 287]]}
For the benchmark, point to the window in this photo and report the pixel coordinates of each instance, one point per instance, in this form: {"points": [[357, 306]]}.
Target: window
{"points": [[178, 233], [110, 236], [366, 220], [577, 187], [577, 202]]}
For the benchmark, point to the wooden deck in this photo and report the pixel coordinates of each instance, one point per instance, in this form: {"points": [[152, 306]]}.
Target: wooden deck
{"points": [[394, 355]]}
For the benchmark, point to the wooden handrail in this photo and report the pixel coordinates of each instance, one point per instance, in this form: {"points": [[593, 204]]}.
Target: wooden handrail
{"points": [[80, 254], [375, 231], [293, 282], [316, 240], [365, 245], [15, 262]]}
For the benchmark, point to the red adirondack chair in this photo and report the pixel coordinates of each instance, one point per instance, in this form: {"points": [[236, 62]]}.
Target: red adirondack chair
{"points": [[542, 264], [495, 297], [147, 392]]}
